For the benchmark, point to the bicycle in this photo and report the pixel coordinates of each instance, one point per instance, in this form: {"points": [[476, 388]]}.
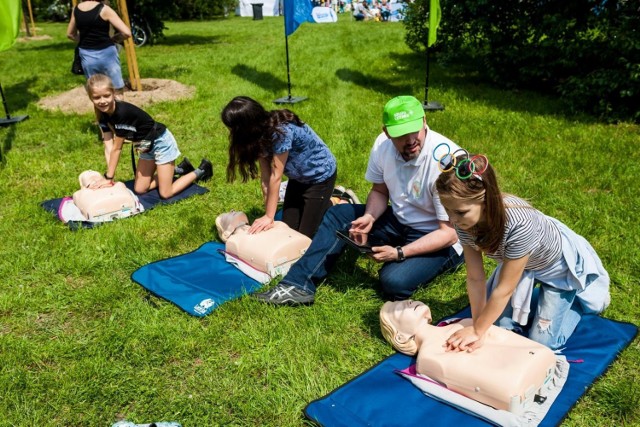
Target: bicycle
{"points": [[140, 31]]}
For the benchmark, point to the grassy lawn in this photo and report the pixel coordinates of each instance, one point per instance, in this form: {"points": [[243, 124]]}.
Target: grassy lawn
{"points": [[82, 345]]}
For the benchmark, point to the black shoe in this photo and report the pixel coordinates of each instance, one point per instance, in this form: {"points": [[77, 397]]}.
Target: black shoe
{"points": [[207, 167], [186, 167], [286, 295]]}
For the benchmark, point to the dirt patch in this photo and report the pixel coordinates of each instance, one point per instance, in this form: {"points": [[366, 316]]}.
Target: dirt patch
{"points": [[33, 38], [76, 101]]}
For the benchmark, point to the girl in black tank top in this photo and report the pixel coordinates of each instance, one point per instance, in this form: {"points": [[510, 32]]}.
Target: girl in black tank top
{"points": [[121, 120]]}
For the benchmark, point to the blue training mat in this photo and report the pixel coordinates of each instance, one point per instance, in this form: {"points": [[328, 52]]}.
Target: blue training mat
{"points": [[148, 200], [380, 397], [198, 281]]}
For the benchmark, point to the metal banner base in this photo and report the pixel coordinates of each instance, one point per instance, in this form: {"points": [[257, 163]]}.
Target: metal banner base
{"points": [[11, 120], [290, 99], [432, 106]]}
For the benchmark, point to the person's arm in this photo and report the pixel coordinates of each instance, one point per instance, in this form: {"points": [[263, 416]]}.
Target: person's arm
{"points": [[114, 158], [472, 338], [377, 202], [272, 182], [107, 139], [476, 280], [510, 275], [72, 30], [122, 31], [265, 174], [441, 238]]}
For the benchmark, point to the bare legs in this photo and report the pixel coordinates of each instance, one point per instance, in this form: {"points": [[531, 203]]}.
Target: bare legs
{"points": [[163, 181]]}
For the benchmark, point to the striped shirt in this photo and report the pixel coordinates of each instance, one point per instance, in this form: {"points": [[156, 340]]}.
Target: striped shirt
{"points": [[527, 232]]}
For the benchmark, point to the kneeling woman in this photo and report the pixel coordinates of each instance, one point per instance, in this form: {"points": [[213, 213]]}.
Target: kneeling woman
{"points": [[282, 144], [529, 247], [157, 147]]}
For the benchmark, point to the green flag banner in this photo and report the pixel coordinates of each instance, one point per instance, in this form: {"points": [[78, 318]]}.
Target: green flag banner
{"points": [[435, 13], [9, 22]]}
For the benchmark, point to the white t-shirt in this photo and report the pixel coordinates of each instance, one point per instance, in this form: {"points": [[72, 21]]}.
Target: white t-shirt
{"points": [[411, 183]]}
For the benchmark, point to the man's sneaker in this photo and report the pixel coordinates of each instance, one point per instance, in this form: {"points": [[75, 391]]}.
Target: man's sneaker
{"points": [[285, 295], [185, 167], [349, 194], [207, 167]]}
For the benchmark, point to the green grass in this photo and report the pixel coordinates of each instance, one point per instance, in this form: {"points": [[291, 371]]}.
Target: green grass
{"points": [[82, 345]]}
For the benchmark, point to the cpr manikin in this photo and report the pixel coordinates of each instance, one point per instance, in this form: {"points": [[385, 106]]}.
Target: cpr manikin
{"points": [[99, 204], [271, 252], [506, 373]]}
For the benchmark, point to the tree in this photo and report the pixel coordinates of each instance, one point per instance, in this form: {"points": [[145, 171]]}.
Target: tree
{"points": [[587, 51]]}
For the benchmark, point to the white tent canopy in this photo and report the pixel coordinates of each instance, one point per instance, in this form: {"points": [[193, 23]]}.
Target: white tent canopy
{"points": [[269, 7]]}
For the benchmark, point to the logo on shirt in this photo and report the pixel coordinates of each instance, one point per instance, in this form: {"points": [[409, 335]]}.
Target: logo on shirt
{"points": [[126, 127], [416, 188]]}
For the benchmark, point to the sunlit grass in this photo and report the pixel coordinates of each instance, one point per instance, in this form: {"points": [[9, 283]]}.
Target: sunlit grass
{"points": [[80, 344]]}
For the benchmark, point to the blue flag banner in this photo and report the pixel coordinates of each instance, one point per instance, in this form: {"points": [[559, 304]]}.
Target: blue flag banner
{"points": [[9, 22], [295, 13]]}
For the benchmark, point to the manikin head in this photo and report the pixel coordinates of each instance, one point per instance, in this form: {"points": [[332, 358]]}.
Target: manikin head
{"points": [[89, 177], [228, 222], [401, 320]]}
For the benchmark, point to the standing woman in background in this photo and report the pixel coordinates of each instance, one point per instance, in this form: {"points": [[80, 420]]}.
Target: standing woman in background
{"points": [[89, 27], [281, 144]]}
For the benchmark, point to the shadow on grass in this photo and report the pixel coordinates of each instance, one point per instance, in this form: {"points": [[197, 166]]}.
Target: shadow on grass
{"points": [[7, 144], [263, 79], [18, 95], [186, 39], [371, 82], [60, 46]]}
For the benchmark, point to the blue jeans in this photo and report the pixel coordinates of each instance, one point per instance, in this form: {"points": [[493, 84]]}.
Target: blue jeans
{"points": [[399, 280], [103, 61], [557, 313], [165, 149]]}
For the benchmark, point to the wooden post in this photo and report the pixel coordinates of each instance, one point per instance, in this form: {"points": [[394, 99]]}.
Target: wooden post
{"points": [[33, 24], [129, 47], [25, 24]]}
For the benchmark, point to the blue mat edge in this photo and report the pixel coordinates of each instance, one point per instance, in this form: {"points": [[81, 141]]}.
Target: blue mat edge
{"points": [[411, 360], [218, 247], [52, 205], [159, 261]]}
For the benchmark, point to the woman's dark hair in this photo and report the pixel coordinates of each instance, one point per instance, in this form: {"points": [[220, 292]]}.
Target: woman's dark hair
{"points": [[252, 132], [484, 189]]}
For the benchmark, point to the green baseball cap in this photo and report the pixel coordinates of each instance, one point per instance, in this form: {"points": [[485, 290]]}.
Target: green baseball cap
{"points": [[403, 115]]}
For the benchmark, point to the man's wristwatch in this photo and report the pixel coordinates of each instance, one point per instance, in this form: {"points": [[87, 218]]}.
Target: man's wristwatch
{"points": [[401, 256], [107, 177]]}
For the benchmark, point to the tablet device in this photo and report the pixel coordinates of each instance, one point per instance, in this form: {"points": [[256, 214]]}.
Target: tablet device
{"points": [[363, 249]]}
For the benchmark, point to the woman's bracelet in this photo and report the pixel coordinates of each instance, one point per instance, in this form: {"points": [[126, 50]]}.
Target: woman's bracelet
{"points": [[110, 178]]}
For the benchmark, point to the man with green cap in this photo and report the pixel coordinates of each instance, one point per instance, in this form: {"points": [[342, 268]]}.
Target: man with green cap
{"points": [[403, 219]]}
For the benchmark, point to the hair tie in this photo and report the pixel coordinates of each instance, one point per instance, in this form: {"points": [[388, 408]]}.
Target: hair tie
{"points": [[465, 168]]}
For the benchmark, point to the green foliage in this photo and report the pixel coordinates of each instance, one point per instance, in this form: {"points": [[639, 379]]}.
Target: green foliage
{"points": [[82, 345], [587, 51]]}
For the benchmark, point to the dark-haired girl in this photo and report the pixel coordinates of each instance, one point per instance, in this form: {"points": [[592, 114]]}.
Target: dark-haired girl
{"points": [[281, 144], [530, 248]]}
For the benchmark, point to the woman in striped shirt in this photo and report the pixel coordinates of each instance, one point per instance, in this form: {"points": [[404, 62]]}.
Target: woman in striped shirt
{"points": [[530, 248]]}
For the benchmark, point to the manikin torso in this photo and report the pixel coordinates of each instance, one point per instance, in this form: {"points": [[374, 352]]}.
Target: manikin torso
{"points": [[505, 373]]}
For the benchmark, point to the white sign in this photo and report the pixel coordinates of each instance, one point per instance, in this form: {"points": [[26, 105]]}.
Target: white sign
{"points": [[322, 15]]}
